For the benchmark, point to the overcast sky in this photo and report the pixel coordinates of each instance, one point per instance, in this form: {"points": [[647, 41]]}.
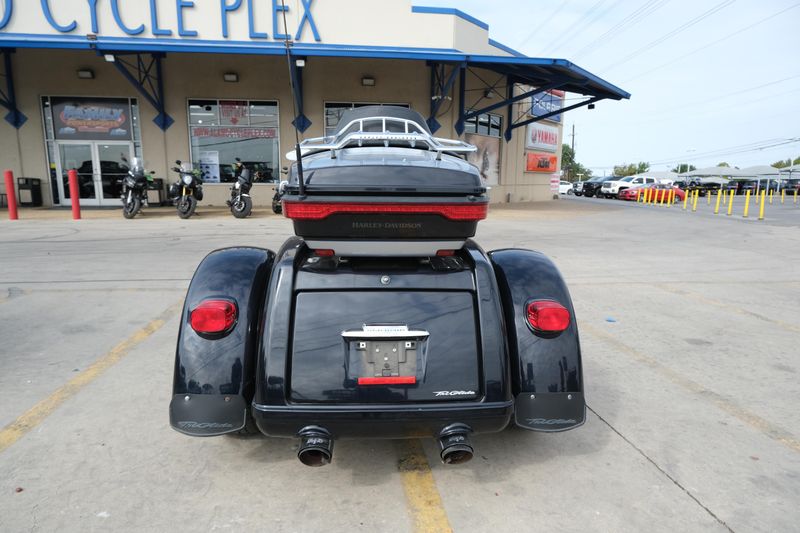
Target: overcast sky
{"points": [[710, 80]]}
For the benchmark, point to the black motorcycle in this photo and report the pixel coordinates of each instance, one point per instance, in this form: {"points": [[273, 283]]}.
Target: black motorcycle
{"points": [[280, 189], [187, 191], [134, 188], [240, 203]]}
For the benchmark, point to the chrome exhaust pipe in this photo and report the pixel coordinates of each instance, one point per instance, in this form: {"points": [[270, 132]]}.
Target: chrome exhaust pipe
{"points": [[454, 443], [316, 446]]}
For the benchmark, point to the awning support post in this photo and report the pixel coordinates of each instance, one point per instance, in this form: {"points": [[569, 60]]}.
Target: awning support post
{"points": [[462, 104], [8, 98], [149, 84], [510, 100], [300, 122], [440, 88], [552, 113]]}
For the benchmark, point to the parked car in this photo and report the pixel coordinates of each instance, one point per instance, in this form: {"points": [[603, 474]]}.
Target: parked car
{"points": [[577, 188], [791, 185], [740, 186], [591, 187], [565, 187], [631, 194]]}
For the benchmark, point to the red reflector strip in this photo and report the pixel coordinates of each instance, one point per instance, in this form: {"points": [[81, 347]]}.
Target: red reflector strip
{"points": [[324, 252], [320, 210], [392, 380]]}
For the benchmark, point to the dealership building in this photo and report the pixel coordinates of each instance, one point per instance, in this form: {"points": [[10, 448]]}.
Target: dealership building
{"points": [[89, 84]]}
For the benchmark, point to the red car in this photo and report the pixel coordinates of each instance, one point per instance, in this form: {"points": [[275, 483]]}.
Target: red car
{"points": [[658, 189]]}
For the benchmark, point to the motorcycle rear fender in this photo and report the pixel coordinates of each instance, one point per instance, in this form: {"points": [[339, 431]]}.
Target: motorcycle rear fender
{"points": [[546, 371], [214, 377]]}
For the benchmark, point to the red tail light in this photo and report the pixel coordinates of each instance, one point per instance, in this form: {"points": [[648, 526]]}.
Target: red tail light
{"points": [[324, 252], [320, 210], [547, 316], [213, 317], [391, 380]]}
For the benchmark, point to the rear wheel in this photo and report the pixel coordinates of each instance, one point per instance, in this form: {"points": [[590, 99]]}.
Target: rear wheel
{"points": [[186, 206], [569, 192]]}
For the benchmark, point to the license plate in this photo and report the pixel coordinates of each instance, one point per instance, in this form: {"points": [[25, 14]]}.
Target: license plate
{"points": [[386, 354]]}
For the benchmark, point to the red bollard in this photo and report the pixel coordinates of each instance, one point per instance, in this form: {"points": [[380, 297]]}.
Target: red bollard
{"points": [[11, 195], [74, 194]]}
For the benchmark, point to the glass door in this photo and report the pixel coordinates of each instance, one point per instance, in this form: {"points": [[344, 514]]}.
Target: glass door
{"points": [[100, 166], [111, 165], [77, 156]]}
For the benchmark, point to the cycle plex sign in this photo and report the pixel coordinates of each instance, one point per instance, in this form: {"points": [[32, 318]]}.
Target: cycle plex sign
{"points": [[206, 19]]}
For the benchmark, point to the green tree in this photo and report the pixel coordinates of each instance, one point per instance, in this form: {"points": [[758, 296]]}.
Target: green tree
{"points": [[684, 167], [629, 169], [723, 164], [571, 167], [786, 163]]}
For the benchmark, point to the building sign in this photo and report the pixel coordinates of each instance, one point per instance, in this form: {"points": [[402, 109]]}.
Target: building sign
{"points": [[235, 19], [555, 182], [486, 157], [541, 162], [547, 102], [541, 137], [234, 133], [91, 119]]}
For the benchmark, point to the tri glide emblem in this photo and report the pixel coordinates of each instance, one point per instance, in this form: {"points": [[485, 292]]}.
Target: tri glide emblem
{"points": [[454, 393]]}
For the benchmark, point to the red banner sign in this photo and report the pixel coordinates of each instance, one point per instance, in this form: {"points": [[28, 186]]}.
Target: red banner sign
{"points": [[541, 162]]}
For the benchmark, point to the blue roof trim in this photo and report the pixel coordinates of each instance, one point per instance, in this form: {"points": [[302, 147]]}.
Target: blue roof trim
{"points": [[135, 44], [505, 48], [450, 11]]}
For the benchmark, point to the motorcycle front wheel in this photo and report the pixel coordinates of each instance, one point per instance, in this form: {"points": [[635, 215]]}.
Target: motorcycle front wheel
{"points": [[186, 206], [242, 207], [131, 207]]}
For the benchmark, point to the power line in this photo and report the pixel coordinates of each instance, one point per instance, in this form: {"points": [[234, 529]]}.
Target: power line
{"points": [[696, 50], [544, 23], [578, 30], [565, 36], [647, 9], [672, 33]]}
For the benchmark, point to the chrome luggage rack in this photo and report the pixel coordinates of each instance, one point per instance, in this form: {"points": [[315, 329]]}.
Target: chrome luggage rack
{"points": [[389, 130]]}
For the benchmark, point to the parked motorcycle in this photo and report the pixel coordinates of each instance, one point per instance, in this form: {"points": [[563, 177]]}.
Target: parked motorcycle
{"points": [[240, 203], [187, 191], [280, 189], [134, 188]]}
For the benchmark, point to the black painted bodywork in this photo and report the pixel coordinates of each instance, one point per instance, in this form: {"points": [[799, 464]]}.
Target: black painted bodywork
{"points": [[287, 361], [214, 378]]}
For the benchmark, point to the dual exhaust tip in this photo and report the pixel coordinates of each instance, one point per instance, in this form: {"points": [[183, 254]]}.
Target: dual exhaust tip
{"points": [[316, 445]]}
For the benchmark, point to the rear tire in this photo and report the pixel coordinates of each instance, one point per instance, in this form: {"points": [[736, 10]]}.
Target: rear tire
{"points": [[242, 208], [569, 192], [186, 206]]}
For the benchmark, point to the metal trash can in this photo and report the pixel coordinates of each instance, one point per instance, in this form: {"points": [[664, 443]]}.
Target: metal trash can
{"points": [[155, 192], [29, 192]]}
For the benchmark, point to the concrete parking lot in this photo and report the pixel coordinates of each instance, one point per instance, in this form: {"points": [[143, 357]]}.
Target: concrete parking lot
{"points": [[690, 330]]}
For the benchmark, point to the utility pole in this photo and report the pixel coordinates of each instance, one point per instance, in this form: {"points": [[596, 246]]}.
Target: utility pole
{"points": [[573, 140]]}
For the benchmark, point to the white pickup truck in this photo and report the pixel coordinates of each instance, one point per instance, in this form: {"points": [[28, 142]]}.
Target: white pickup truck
{"points": [[611, 189]]}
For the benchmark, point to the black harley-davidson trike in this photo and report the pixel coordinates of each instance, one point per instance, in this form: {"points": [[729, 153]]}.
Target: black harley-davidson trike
{"points": [[381, 318]]}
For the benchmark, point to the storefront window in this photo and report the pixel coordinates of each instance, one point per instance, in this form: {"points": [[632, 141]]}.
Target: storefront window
{"points": [[334, 111], [222, 130], [485, 124]]}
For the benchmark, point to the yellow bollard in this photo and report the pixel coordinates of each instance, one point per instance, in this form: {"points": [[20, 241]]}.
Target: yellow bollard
{"points": [[746, 203], [671, 197], [761, 210], [783, 195], [724, 198], [708, 197], [646, 196], [730, 205], [638, 194], [770, 197], [694, 200], [795, 195], [661, 194], [685, 198], [716, 206]]}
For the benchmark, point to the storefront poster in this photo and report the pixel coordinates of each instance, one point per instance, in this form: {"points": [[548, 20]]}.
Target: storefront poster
{"points": [[91, 119], [541, 137], [547, 102], [234, 133], [209, 167], [555, 181], [541, 162], [486, 158], [233, 111]]}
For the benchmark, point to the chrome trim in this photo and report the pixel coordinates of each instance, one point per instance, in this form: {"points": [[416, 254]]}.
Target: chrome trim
{"points": [[392, 248]]}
